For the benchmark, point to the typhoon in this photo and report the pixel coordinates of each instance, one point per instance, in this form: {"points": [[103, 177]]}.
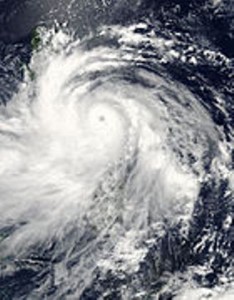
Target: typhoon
{"points": [[112, 172]]}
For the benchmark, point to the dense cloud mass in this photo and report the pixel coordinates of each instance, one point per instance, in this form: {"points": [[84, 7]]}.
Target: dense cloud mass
{"points": [[116, 146]]}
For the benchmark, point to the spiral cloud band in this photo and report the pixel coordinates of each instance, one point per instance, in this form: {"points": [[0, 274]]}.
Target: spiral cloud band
{"points": [[103, 148]]}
